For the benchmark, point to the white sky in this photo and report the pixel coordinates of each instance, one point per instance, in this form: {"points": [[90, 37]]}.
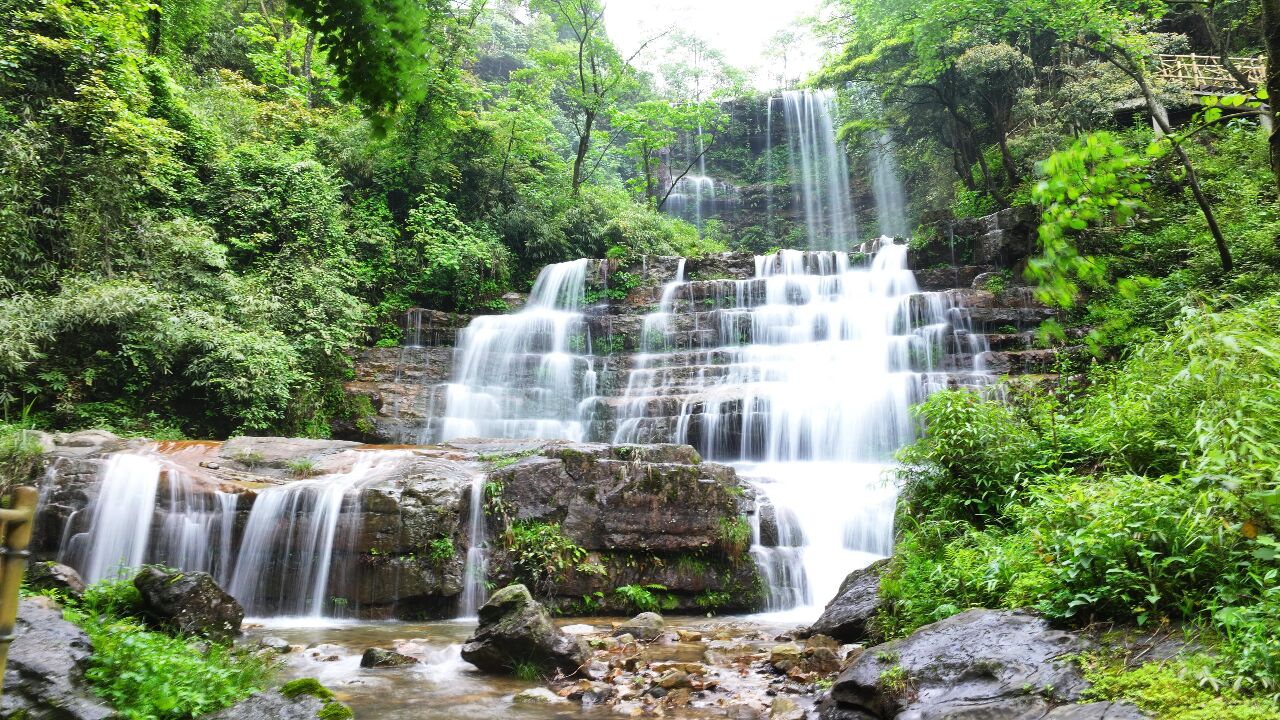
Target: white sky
{"points": [[738, 28]]}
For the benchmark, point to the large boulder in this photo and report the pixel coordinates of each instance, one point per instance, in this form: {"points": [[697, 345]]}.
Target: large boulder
{"points": [[978, 664], [847, 616], [44, 679], [188, 602], [515, 630]]}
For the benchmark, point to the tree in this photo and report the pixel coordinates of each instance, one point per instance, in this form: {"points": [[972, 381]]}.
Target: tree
{"points": [[652, 127], [1271, 37], [592, 74]]}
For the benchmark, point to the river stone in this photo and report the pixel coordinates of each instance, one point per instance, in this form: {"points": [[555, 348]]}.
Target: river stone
{"points": [[272, 706], [188, 602], [276, 644], [847, 616], [44, 679], [541, 696], [977, 664], [380, 658], [514, 629], [786, 709], [43, 576], [647, 626]]}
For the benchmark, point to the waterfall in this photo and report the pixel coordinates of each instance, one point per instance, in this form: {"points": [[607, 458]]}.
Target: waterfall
{"points": [[147, 510], [286, 558], [803, 378], [474, 572], [768, 165], [891, 210], [524, 375], [819, 170]]}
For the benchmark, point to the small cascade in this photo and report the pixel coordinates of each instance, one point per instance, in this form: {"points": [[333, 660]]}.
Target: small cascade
{"points": [[525, 375], [819, 170], [148, 510], [698, 198], [296, 537], [803, 378], [891, 204], [768, 164], [475, 571]]}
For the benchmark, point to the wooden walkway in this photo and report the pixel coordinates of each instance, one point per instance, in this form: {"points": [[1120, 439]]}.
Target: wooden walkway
{"points": [[1206, 75]]}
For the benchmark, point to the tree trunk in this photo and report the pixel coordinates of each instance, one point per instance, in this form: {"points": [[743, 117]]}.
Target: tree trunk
{"points": [[1271, 36], [1161, 117], [307, 52], [154, 29], [584, 145]]}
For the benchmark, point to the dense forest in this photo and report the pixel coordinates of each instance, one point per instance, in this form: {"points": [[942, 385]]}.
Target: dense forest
{"points": [[208, 207]]}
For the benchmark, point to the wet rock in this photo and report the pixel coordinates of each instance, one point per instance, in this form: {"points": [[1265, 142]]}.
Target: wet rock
{"points": [[1097, 711], [785, 657], [539, 696], [276, 453], [276, 644], [672, 679], [381, 658], [786, 709], [647, 626], [980, 663], [273, 706], [44, 576], [847, 616], [516, 629], [689, 636], [44, 679], [188, 602], [580, 629]]}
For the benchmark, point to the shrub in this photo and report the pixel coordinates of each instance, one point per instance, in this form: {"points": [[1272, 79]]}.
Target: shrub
{"points": [[149, 675], [542, 554], [646, 598]]}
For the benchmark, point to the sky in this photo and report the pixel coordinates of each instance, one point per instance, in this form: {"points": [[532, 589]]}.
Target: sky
{"points": [[739, 28]]}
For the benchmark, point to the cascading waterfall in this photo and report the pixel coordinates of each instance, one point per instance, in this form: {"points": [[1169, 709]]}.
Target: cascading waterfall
{"points": [[525, 375], [147, 510], [819, 170], [891, 202], [294, 532], [804, 381]]}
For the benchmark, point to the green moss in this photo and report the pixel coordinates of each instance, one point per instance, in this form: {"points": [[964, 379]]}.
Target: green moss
{"points": [[334, 710], [306, 686], [1181, 689]]}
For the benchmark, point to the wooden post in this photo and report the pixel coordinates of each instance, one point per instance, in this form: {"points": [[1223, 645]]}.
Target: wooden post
{"points": [[15, 537]]}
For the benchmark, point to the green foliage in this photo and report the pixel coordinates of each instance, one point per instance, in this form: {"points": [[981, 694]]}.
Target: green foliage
{"points": [[153, 676], [301, 467], [712, 600], [1148, 497], [735, 535], [1095, 181], [971, 462], [1178, 689], [542, 554], [461, 267], [645, 598], [442, 550]]}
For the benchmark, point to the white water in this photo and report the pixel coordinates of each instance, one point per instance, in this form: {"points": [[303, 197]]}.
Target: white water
{"points": [[805, 383], [819, 170], [891, 204], [286, 557], [475, 571], [524, 375], [147, 510]]}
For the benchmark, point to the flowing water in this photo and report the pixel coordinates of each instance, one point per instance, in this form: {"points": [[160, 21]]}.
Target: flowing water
{"points": [[891, 204], [803, 377], [819, 170], [525, 375]]}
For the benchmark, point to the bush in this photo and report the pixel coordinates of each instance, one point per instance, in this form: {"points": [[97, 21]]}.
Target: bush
{"points": [[148, 675]]}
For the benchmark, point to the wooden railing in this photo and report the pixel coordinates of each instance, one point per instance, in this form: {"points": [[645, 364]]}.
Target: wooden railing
{"points": [[15, 538], [1206, 74]]}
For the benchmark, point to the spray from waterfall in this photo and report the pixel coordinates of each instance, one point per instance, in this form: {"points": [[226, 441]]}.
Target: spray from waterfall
{"points": [[891, 205]]}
